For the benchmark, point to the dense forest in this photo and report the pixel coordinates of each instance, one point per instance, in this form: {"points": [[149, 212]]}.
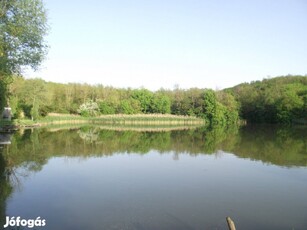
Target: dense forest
{"points": [[277, 100]]}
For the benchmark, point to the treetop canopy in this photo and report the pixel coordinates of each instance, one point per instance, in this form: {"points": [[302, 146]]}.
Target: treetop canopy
{"points": [[23, 25]]}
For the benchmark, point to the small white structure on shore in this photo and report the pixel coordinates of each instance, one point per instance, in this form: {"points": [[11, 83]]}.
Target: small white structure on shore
{"points": [[7, 113]]}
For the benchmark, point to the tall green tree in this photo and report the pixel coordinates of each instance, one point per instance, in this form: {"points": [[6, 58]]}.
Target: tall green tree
{"points": [[231, 106], [129, 106], [161, 103], [35, 97], [144, 96], [23, 26]]}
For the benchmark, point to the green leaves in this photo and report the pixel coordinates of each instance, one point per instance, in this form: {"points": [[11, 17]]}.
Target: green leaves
{"points": [[276, 100], [23, 25], [144, 96]]}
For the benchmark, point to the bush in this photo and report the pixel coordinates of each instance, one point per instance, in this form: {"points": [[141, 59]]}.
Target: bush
{"points": [[89, 109]]}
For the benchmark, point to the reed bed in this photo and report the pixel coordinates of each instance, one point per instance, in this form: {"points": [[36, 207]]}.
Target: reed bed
{"points": [[137, 128], [123, 119]]}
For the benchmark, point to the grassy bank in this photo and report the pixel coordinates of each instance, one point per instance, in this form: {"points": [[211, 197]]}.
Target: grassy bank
{"points": [[138, 119], [125, 120]]}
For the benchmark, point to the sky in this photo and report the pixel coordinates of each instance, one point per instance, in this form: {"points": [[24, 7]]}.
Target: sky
{"points": [[165, 43]]}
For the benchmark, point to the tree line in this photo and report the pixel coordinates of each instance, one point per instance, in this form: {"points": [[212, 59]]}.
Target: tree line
{"points": [[277, 100], [36, 97]]}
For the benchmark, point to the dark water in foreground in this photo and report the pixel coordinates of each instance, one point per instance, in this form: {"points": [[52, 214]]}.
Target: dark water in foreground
{"points": [[91, 178]]}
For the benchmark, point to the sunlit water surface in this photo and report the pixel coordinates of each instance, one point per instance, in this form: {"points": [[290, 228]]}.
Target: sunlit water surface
{"points": [[159, 190]]}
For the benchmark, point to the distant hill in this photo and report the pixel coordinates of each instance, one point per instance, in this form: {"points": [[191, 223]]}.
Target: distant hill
{"points": [[276, 100]]}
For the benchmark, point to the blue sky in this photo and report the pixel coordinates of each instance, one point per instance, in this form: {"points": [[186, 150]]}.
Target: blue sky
{"points": [[161, 43]]}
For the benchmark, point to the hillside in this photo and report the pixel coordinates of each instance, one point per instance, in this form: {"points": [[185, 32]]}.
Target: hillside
{"points": [[276, 100]]}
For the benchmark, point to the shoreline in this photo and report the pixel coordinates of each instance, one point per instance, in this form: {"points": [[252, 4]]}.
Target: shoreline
{"points": [[152, 120]]}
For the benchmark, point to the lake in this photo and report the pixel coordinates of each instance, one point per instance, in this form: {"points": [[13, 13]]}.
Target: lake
{"points": [[144, 178]]}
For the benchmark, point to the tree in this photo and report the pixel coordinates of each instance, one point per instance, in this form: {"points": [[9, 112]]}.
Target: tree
{"points": [[106, 108], [288, 106], [210, 104], [231, 107], [144, 96], [89, 109], [3, 91], [161, 103], [276, 100], [35, 97], [129, 106], [23, 25]]}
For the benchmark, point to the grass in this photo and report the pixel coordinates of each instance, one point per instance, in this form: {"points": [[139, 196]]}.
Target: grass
{"points": [[117, 119], [137, 119]]}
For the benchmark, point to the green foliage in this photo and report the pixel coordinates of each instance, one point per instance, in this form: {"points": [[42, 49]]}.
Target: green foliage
{"points": [[210, 104], [188, 102], [129, 106], [23, 25], [289, 104], [106, 108], [276, 100], [3, 91], [34, 111], [230, 107], [31, 97], [160, 104], [36, 97], [145, 97]]}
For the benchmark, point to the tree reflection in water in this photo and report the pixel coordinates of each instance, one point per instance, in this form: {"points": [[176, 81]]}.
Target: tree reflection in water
{"points": [[5, 188], [30, 150]]}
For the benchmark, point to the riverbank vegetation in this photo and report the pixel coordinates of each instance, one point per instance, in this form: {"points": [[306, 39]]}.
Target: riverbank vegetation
{"points": [[35, 98], [277, 100], [122, 119]]}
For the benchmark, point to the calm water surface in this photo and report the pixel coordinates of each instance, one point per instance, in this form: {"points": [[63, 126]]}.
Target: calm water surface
{"points": [[90, 178]]}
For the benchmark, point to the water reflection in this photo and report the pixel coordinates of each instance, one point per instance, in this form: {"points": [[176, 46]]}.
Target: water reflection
{"points": [[30, 150], [284, 146], [280, 146], [5, 188], [5, 138]]}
